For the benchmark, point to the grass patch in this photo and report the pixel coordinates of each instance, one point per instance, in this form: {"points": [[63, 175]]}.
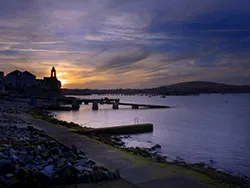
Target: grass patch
{"points": [[143, 161], [37, 116]]}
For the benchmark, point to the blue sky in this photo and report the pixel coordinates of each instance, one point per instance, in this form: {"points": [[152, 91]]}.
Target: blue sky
{"points": [[127, 44]]}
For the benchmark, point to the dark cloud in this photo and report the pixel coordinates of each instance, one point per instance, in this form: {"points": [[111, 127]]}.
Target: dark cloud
{"points": [[182, 37]]}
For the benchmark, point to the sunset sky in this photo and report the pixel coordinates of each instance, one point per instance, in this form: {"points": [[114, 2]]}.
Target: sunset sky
{"points": [[127, 43]]}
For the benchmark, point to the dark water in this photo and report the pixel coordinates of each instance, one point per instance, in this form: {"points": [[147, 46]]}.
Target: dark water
{"points": [[198, 128]]}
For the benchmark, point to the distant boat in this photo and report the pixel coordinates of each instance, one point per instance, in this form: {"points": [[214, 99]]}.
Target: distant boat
{"points": [[163, 96]]}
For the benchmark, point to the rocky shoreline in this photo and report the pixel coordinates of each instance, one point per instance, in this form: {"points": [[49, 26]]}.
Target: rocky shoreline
{"points": [[28, 157], [149, 153]]}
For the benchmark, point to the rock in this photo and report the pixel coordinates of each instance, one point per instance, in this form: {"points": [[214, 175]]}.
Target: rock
{"points": [[9, 175], [55, 157], [12, 151], [17, 167], [212, 162], [30, 166], [45, 154], [74, 149], [48, 170], [80, 168], [28, 160], [51, 143], [69, 154], [158, 158], [22, 172], [117, 173], [82, 161], [179, 158], [82, 156], [109, 175], [156, 148], [13, 157], [81, 153], [98, 175], [55, 150], [67, 173], [39, 147], [6, 166], [61, 162], [2, 148], [72, 161], [41, 177], [50, 160], [4, 182], [200, 165]]}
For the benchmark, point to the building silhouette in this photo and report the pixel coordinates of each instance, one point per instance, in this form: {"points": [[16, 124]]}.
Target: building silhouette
{"points": [[18, 79], [28, 83]]}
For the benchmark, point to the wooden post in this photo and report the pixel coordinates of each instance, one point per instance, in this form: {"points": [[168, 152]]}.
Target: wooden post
{"points": [[75, 105], [95, 105], [115, 105]]}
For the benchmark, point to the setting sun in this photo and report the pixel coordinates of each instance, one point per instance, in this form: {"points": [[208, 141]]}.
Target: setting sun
{"points": [[63, 82], [63, 78]]}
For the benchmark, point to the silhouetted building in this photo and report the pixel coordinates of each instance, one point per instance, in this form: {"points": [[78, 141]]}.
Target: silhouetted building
{"points": [[53, 72], [18, 79], [28, 79], [50, 84], [26, 83], [13, 79]]}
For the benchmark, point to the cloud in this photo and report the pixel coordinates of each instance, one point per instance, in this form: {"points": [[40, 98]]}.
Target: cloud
{"points": [[109, 43]]}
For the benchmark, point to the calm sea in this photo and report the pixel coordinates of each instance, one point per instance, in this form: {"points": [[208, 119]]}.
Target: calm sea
{"points": [[214, 129]]}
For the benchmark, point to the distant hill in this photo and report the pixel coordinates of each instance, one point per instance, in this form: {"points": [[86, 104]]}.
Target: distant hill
{"points": [[200, 84], [184, 88], [207, 87]]}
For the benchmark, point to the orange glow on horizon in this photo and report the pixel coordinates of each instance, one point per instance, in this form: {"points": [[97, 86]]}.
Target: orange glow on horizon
{"points": [[62, 77], [63, 82]]}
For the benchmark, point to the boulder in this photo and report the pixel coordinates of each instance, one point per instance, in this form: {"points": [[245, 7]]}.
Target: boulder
{"points": [[48, 170], [61, 162], [6, 166], [67, 174]]}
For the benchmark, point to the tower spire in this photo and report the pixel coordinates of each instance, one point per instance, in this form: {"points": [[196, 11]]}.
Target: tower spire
{"points": [[53, 72]]}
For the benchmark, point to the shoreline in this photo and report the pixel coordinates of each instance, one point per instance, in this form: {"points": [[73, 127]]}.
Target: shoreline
{"points": [[30, 157], [150, 154]]}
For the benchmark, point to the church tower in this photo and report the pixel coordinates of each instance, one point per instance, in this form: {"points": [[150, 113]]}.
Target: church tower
{"points": [[53, 73]]}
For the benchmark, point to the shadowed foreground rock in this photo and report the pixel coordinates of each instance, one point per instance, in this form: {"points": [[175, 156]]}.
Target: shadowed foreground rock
{"points": [[28, 157]]}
